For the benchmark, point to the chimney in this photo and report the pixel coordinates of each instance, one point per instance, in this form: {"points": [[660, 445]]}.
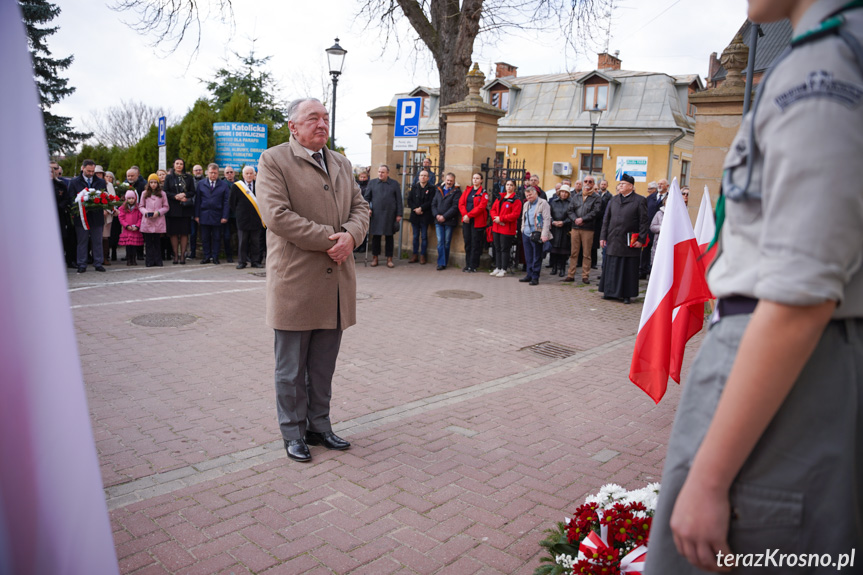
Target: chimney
{"points": [[503, 70], [712, 67], [608, 62]]}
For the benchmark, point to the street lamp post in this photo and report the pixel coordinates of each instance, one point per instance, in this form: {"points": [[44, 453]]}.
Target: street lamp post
{"points": [[595, 114], [336, 59]]}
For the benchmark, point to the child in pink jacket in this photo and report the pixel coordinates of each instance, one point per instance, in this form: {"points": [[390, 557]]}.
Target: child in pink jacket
{"points": [[130, 222], [154, 206]]}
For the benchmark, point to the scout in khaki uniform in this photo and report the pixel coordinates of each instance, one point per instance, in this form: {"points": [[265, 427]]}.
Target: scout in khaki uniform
{"points": [[766, 452]]}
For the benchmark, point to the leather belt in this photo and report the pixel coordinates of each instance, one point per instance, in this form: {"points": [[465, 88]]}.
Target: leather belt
{"points": [[735, 305]]}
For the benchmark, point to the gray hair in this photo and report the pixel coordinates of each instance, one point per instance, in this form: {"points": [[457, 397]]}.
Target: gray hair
{"points": [[651, 185], [293, 106], [211, 166], [384, 166]]}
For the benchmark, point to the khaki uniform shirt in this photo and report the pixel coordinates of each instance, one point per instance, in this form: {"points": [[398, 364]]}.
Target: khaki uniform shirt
{"points": [[801, 242]]}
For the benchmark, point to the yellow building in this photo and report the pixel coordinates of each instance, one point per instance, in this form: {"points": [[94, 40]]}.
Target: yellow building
{"points": [[646, 123]]}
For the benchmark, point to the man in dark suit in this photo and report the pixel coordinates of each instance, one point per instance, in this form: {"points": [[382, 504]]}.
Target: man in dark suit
{"points": [[653, 204], [211, 211], [95, 218], [244, 203]]}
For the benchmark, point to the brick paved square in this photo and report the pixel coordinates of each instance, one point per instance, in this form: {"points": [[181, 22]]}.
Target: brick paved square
{"points": [[466, 445]]}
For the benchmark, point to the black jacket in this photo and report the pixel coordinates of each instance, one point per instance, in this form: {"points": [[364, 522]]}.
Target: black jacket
{"points": [[94, 217], [585, 208], [247, 217], [174, 184], [625, 215], [421, 197], [446, 206]]}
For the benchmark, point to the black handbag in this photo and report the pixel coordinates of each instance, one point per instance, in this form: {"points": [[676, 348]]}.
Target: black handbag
{"points": [[536, 237], [396, 226]]}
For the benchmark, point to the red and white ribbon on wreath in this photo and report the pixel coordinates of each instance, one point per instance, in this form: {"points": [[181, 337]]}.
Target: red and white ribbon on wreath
{"points": [[80, 198], [596, 544], [633, 562]]}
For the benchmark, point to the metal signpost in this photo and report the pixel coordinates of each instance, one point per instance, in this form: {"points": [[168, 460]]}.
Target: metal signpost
{"points": [[406, 138], [163, 128]]}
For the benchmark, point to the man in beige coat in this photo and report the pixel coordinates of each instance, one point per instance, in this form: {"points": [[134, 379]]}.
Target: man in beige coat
{"points": [[315, 215]]}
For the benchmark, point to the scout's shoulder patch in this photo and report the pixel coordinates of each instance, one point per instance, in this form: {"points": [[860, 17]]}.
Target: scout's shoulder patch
{"points": [[821, 84]]}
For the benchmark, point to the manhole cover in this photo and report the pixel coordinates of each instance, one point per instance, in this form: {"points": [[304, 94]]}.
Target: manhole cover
{"points": [[361, 295], [552, 350], [458, 294], [164, 319]]}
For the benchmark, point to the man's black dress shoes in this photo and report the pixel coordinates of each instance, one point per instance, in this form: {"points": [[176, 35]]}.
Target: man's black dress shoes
{"points": [[241, 266], [297, 450], [328, 439], [100, 269], [206, 261], [254, 265]]}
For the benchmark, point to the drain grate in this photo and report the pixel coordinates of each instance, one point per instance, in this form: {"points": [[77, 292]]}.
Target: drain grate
{"points": [[164, 319], [551, 349], [259, 274], [458, 294]]}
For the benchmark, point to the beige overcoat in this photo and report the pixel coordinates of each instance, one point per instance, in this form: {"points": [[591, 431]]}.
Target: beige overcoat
{"points": [[302, 206]]}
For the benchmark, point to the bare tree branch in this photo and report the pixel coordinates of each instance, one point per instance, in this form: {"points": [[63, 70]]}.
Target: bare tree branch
{"points": [[124, 125], [171, 20]]}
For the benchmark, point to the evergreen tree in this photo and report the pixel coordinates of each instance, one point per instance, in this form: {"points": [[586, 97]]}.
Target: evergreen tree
{"points": [[238, 109], [52, 87], [251, 78], [197, 143]]}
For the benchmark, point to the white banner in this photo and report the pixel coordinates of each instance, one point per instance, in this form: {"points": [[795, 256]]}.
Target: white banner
{"points": [[53, 517]]}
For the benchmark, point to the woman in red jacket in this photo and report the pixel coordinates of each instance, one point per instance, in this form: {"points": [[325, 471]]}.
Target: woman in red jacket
{"points": [[473, 205], [504, 217]]}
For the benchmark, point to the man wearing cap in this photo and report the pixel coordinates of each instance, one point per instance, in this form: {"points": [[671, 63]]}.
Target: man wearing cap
{"points": [[624, 232]]}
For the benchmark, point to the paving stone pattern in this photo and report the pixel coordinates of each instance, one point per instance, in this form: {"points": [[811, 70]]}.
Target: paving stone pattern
{"points": [[466, 444]]}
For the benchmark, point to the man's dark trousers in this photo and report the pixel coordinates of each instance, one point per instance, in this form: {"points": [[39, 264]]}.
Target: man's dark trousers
{"points": [[305, 363]]}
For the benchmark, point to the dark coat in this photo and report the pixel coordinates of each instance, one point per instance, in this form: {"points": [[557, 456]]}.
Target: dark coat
{"points": [[247, 216], [421, 197], [385, 201], [175, 184], [446, 205], [211, 205], [653, 204], [559, 213], [432, 176], [61, 194], [604, 198], [625, 215], [96, 217], [585, 208]]}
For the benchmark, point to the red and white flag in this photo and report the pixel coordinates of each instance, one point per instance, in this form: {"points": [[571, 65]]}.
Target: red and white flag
{"points": [[53, 516], [677, 279], [689, 319], [705, 228]]}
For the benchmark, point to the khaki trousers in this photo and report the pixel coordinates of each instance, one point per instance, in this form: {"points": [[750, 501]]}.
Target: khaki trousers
{"points": [[581, 241]]}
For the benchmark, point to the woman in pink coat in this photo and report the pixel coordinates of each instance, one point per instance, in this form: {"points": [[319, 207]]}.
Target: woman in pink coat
{"points": [[154, 206]]}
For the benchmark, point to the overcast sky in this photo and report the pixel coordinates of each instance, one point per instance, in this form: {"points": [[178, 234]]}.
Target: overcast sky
{"points": [[113, 62]]}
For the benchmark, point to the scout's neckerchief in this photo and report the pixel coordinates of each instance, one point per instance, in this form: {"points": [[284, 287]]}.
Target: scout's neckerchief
{"points": [[832, 24], [251, 197]]}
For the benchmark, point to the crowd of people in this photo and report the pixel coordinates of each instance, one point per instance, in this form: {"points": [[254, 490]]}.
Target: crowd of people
{"points": [[569, 225], [166, 215], [161, 217]]}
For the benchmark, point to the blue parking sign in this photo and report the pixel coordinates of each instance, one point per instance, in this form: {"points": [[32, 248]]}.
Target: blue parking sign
{"points": [[407, 129], [163, 127]]}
